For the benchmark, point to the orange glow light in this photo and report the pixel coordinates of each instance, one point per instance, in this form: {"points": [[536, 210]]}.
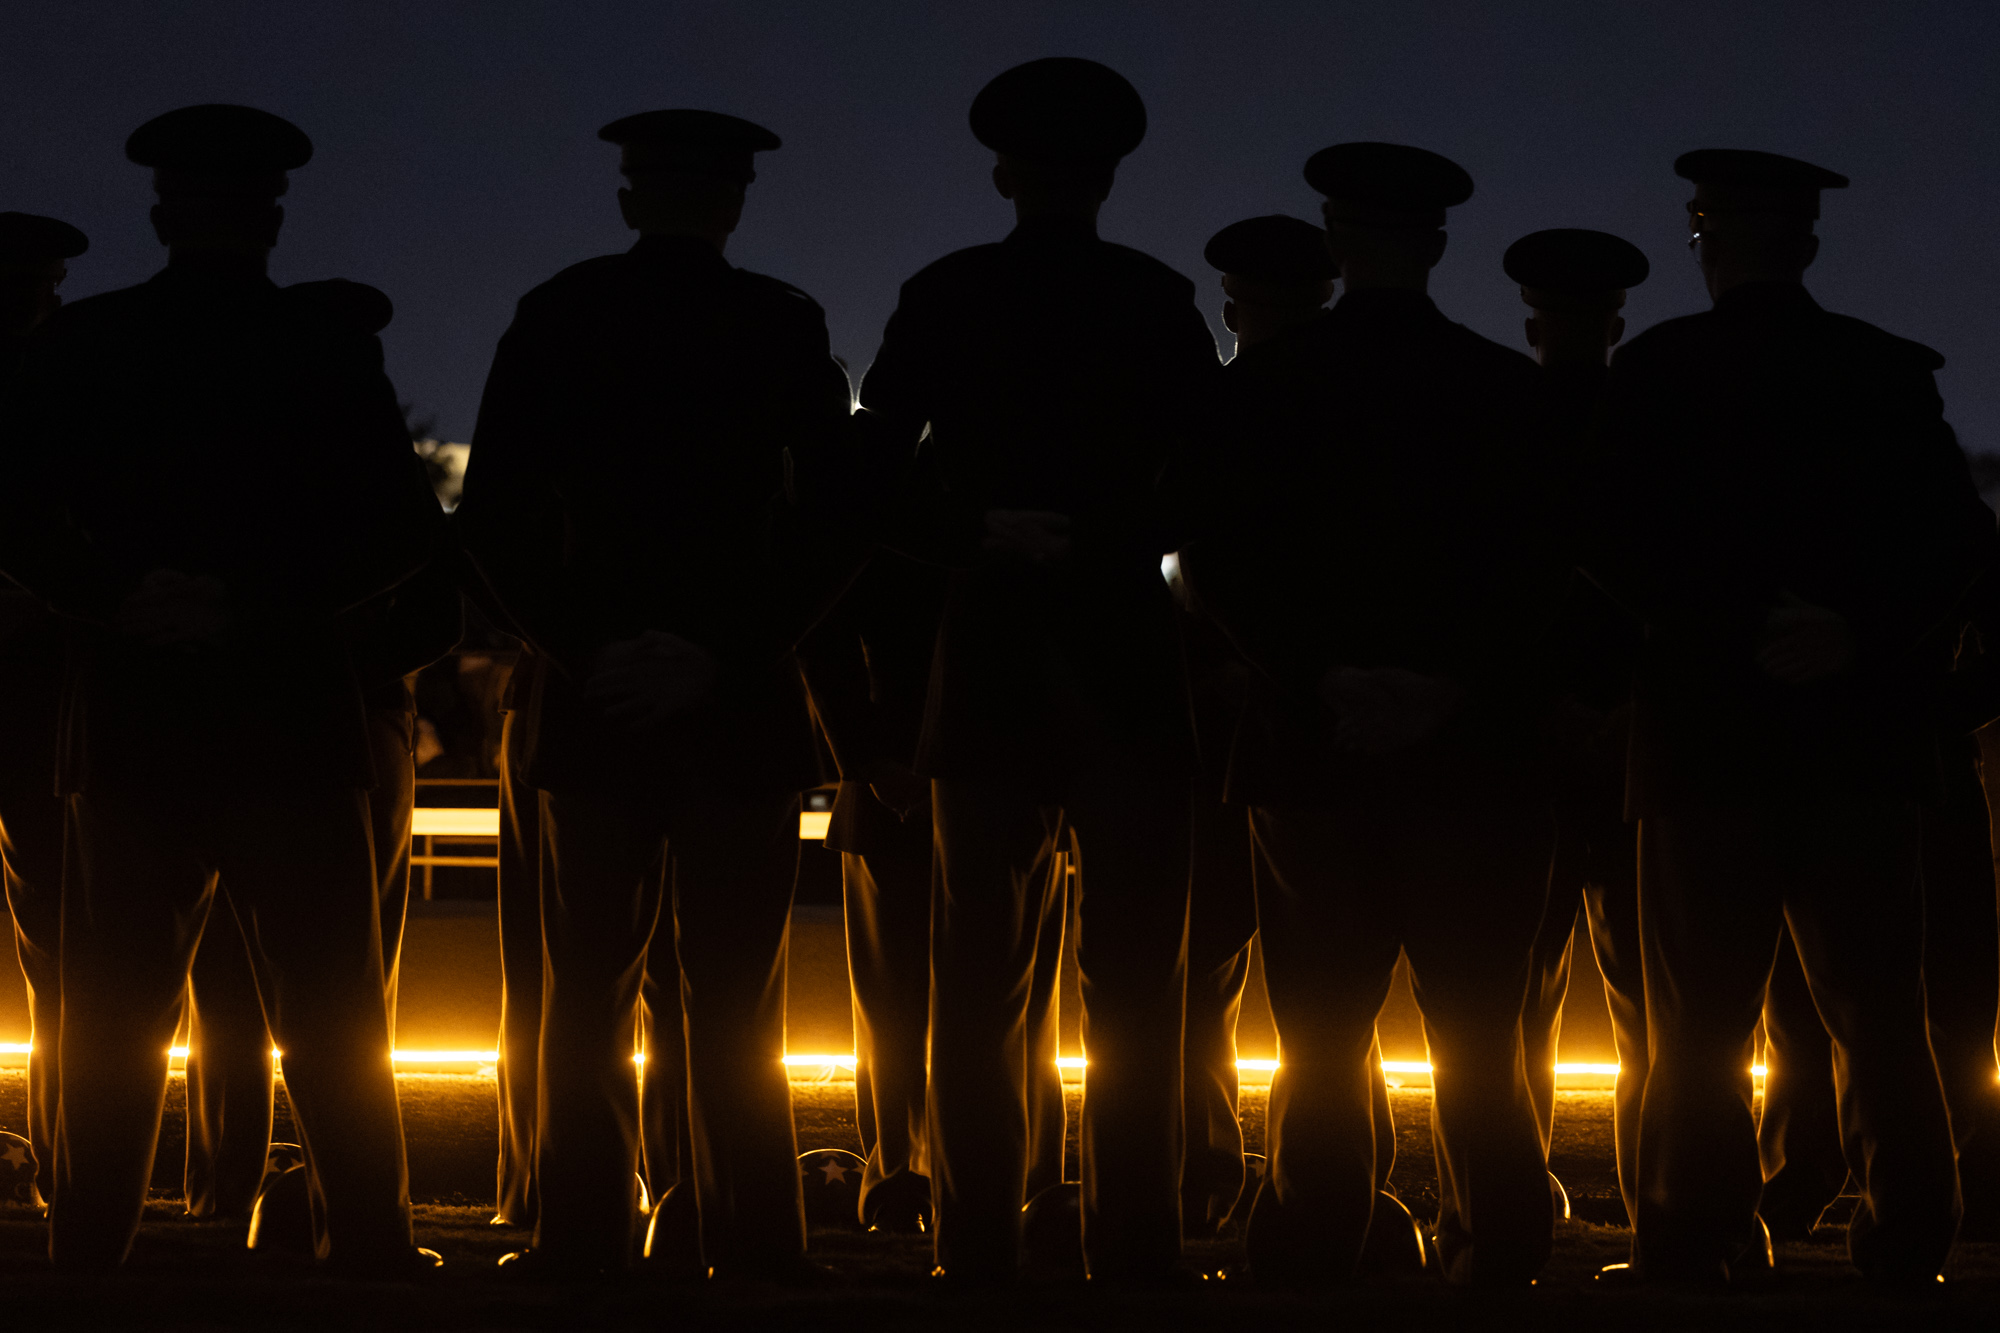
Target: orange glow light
{"points": [[448, 821], [1071, 1065]]}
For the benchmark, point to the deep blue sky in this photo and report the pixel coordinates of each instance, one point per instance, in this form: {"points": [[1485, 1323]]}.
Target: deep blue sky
{"points": [[457, 162]]}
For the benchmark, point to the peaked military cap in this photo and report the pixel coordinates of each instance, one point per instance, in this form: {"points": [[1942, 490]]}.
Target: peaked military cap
{"points": [[1061, 108], [353, 303], [1394, 184], [1568, 267], [706, 143], [1746, 178], [219, 149], [1275, 248], [28, 238]]}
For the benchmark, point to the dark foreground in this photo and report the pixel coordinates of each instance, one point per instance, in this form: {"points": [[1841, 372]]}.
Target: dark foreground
{"points": [[186, 1274]]}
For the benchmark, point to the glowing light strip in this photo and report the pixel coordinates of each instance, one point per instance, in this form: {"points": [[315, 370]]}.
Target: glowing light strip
{"points": [[813, 824], [821, 1061], [412, 1057], [447, 820], [824, 1060]]}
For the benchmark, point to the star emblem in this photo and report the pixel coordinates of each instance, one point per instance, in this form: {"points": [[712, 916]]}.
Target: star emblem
{"points": [[16, 1155], [835, 1173]]}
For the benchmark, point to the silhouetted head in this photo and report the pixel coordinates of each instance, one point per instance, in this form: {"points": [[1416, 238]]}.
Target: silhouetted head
{"points": [[1059, 126], [1384, 210], [1751, 218], [219, 171], [686, 171], [1575, 282], [1276, 275], [33, 262]]}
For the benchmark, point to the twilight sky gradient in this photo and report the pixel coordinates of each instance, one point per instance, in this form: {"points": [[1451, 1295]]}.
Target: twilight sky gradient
{"points": [[457, 162]]}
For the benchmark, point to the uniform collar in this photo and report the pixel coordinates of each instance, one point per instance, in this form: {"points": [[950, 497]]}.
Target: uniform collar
{"points": [[1053, 230], [1292, 335], [1397, 305], [194, 273], [1768, 298], [680, 251]]}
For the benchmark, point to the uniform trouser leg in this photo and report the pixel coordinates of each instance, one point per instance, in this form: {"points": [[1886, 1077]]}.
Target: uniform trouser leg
{"points": [[1962, 985], [603, 864], [1055, 949], [1798, 1127], [1489, 867], [1548, 987], [31, 843], [732, 867], [732, 870], [666, 1148], [316, 943], [145, 870], [1222, 919], [1132, 838], [886, 898], [520, 989], [1716, 887], [230, 1072], [1330, 949], [229, 1067], [391, 815], [1858, 922], [1611, 908], [995, 847], [1339, 895]]}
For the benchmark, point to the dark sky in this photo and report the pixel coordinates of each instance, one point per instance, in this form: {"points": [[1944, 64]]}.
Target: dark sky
{"points": [[458, 166]]}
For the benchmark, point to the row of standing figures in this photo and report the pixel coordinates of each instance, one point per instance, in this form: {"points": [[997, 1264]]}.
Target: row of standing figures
{"points": [[1699, 627]]}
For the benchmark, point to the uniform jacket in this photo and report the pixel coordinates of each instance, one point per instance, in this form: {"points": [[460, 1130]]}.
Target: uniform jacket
{"points": [[868, 668], [31, 659], [629, 473], [1766, 450], [1593, 646], [1059, 372], [214, 424], [1394, 503]]}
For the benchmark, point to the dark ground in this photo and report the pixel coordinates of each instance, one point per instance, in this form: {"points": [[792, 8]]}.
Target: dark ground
{"points": [[197, 1275]]}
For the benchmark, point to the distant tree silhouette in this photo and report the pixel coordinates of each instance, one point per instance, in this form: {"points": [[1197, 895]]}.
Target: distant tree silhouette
{"points": [[444, 463]]}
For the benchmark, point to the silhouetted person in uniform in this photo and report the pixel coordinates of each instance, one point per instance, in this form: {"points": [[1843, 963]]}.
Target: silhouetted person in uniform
{"points": [[868, 666], [1385, 572], [1058, 377], [34, 255], [1962, 935], [1276, 279], [519, 906], [209, 595], [629, 477], [1574, 281], [230, 1092], [1798, 1129], [1792, 518], [34, 261]]}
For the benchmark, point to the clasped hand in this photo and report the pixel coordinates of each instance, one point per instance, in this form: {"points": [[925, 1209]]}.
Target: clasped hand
{"points": [[1037, 536], [1385, 709], [1801, 643], [897, 786], [641, 682], [170, 609]]}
